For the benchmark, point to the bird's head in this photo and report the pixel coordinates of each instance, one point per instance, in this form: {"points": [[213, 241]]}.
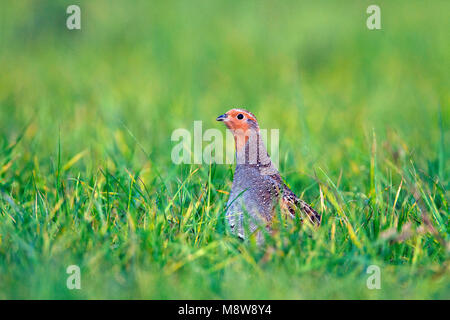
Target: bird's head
{"points": [[242, 124], [239, 119]]}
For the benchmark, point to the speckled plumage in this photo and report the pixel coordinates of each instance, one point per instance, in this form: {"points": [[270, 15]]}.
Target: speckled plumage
{"points": [[257, 185]]}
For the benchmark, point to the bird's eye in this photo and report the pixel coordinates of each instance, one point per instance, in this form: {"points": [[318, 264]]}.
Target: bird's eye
{"points": [[240, 116]]}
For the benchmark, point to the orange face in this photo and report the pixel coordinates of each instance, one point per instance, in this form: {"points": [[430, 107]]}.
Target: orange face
{"points": [[241, 123], [239, 119]]}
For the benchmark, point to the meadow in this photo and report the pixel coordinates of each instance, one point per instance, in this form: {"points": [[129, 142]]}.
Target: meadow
{"points": [[86, 176]]}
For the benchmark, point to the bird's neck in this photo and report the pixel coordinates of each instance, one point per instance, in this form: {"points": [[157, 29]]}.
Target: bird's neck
{"points": [[250, 150]]}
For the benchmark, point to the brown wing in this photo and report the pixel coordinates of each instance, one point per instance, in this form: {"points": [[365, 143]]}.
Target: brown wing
{"points": [[291, 202]]}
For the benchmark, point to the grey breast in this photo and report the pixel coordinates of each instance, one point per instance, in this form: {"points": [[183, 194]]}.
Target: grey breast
{"points": [[251, 199]]}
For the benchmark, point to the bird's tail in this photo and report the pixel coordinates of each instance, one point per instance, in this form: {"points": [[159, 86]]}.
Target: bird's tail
{"points": [[312, 214]]}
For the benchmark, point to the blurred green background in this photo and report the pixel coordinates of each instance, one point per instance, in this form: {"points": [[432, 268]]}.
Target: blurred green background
{"points": [[363, 108]]}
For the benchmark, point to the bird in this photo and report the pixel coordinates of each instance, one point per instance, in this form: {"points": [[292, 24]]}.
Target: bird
{"points": [[257, 186]]}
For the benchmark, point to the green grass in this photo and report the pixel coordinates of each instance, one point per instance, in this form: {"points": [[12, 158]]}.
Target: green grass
{"points": [[86, 176]]}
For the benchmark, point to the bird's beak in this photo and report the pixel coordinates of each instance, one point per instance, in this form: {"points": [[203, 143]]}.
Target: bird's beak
{"points": [[222, 117]]}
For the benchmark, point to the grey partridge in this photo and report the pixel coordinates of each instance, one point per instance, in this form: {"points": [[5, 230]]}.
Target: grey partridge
{"points": [[257, 186]]}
